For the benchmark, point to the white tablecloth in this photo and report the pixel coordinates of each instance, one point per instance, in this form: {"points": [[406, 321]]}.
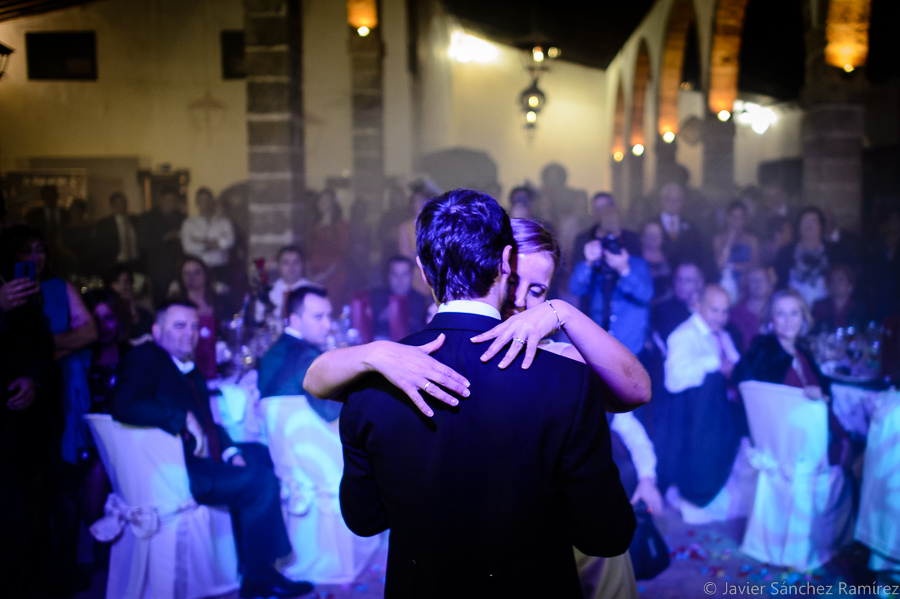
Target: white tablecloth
{"points": [[236, 408], [854, 406]]}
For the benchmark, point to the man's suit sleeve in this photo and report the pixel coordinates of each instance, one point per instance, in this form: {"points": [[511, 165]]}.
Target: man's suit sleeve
{"points": [[361, 504], [600, 517], [135, 396]]}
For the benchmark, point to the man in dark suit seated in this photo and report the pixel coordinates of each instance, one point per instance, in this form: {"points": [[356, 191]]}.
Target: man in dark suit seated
{"points": [[397, 309], [283, 368], [159, 386], [486, 498]]}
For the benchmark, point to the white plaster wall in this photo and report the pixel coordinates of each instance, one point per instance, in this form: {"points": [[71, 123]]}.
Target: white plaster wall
{"points": [[155, 59], [783, 139], [398, 99], [326, 91], [486, 115], [476, 105]]}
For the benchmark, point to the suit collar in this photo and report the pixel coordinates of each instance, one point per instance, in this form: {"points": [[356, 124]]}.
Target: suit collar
{"points": [[462, 322], [291, 340]]}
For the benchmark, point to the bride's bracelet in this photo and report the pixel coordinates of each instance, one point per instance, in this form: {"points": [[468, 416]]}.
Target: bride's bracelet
{"points": [[559, 323]]}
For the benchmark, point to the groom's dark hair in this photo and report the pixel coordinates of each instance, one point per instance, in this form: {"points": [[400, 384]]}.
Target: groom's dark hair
{"points": [[460, 236]]}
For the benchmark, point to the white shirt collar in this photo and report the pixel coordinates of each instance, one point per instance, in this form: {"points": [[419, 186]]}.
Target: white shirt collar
{"points": [[293, 333], [470, 307], [184, 367], [701, 324]]}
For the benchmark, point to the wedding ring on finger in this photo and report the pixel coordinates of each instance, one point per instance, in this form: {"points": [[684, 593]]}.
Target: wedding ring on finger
{"points": [[517, 340], [425, 388]]}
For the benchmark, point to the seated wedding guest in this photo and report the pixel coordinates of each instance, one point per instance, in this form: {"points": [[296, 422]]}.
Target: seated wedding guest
{"points": [[710, 425], [777, 235], [748, 314], [283, 368], [291, 270], [209, 235], [839, 309], [687, 284], [802, 265], [159, 386], [195, 284], [135, 318], [783, 358], [397, 309], [651, 250], [736, 251]]}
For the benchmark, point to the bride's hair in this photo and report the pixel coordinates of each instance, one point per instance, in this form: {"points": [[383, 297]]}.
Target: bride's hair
{"points": [[532, 237]]}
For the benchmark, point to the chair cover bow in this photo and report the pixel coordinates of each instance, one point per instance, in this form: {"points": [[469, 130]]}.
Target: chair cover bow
{"points": [[143, 520]]}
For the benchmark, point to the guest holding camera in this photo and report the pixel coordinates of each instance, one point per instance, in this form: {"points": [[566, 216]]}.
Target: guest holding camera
{"points": [[618, 286]]}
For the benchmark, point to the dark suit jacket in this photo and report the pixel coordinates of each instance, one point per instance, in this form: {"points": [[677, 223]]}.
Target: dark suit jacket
{"points": [[485, 499], [151, 391], [107, 241], [690, 246], [283, 368]]}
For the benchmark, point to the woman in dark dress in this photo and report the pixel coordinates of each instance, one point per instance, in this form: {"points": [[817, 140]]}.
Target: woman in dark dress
{"points": [[781, 357]]}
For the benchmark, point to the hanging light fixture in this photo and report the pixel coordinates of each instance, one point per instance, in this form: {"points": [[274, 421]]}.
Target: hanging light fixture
{"points": [[537, 54], [847, 33], [5, 51], [532, 101], [362, 15]]}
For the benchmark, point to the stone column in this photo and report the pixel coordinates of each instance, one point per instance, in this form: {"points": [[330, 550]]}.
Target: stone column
{"points": [[832, 160], [275, 124], [635, 179], [718, 157], [665, 161], [833, 127], [367, 105]]}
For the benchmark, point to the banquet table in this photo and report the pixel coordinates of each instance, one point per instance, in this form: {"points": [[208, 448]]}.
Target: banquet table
{"points": [[234, 402], [854, 406]]}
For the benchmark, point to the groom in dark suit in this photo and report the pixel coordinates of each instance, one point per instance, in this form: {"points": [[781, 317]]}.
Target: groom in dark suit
{"points": [[158, 386], [487, 498]]}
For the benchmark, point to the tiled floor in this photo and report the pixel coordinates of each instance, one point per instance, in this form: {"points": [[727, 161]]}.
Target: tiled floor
{"points": [[701, 555]]}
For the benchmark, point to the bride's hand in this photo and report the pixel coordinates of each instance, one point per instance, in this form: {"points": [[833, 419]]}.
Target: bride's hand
{"points": [[412, 370], [525, 330]]}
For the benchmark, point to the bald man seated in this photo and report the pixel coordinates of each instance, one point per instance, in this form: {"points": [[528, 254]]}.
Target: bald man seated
{"points": [[710, 420]]}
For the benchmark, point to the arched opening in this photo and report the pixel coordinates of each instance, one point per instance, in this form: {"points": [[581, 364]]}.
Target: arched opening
{"points": [[618, 145], [671, 76], [617, 167], [724, 62], [638, 99]]}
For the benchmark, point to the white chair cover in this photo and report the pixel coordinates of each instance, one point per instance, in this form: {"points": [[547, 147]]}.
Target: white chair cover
{"points": [[802, 512], [878, 524], [308, 459], [189, 551]]}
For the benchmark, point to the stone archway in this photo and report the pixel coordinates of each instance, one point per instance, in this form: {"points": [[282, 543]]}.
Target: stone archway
{"points": [[724, 61], [617, 168], [637, 137], [680, 20]]}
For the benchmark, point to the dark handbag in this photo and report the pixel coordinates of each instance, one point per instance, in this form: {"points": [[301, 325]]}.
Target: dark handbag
{"points": [[648, 550]]}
